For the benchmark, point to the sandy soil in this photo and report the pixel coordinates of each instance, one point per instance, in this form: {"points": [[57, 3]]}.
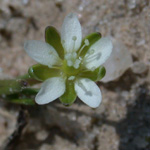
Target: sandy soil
{"points": [[122, 122]]}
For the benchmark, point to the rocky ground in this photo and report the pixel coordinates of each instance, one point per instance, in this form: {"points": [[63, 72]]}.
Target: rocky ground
{"points": [[122, 122]]}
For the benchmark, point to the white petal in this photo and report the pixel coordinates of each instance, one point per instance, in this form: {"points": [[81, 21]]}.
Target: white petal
{"points": [[98, 53], [41, 52], [88, 92], [51, 89], [71, 34]]}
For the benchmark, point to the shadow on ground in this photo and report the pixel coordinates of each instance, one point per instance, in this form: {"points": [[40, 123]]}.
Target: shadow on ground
{"points": [[134, 130]]}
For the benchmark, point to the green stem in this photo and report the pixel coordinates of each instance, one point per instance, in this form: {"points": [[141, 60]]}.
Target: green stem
{"points": [[25, 76]]}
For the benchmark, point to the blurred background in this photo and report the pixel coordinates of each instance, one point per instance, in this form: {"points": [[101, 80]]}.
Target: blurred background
{"points": [[122, 122]]}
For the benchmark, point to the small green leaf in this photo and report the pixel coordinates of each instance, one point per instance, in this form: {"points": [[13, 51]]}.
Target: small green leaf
{"points": [[95, 75], [70, 95], [52, 37], [24, 101], [11, 86], [92, 38], [30, 91], [42, 72]]}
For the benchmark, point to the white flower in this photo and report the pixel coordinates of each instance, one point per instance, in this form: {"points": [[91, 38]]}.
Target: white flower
{"points": [[69, 65]]}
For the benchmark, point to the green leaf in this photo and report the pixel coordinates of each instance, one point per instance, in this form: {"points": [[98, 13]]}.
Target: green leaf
{"points": [[92, 38], [24, 101], [52, 37], [30, 91], [95, 75], [42, 72], [11, 86], [24, 97], [70, 95]]}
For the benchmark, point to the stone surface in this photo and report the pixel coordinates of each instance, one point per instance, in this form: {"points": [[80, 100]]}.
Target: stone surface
{"points": [[119, 61]]}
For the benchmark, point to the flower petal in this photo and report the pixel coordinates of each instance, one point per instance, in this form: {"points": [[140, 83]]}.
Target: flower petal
{"points": [[88, 92], [71, 34], [51, 89], [98, 53], [42, 52]]}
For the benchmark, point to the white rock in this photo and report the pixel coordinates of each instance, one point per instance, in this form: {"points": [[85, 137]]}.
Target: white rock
{"points": [[42, 135], [119, 61]]}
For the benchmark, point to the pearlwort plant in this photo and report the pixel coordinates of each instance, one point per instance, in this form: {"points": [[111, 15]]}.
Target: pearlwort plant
{"points": [[68, 66]]}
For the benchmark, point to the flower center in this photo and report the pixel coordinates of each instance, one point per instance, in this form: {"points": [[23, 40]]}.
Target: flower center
{"points": [[72, 60], [70, 70]]}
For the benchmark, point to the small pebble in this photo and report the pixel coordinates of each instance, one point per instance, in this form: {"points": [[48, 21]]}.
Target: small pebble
{"points": [[139, 68], [41, 135]]}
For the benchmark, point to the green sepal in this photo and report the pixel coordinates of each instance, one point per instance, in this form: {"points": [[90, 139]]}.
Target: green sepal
{"points": [[92, 38], [95, 75], [52, 37], [70, 95], [42, 72]]}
